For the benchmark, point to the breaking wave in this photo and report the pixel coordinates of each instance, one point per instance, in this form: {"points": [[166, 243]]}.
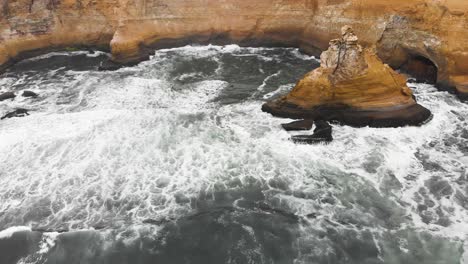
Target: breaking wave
{"points": [[172, 160]]}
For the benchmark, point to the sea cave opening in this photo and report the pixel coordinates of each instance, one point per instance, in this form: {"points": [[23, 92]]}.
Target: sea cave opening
{"points": [[421, 68]]}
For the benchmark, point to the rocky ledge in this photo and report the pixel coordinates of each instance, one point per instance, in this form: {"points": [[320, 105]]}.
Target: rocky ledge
{"points": [[352, 86]]}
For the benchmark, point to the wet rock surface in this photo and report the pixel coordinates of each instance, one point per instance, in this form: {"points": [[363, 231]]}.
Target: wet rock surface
{"points": [[7, 95], [20, 112], [298, 125], [322, 133], [29, 94]]}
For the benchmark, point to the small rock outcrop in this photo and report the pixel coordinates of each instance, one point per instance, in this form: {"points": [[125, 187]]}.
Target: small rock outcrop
{"points": [[299, 125], [322, 134], [352, 86], [29, 94], [7, 95], [20, 112]]}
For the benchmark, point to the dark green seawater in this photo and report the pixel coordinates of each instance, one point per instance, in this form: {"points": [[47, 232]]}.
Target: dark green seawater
{"points": [[172, 161]]}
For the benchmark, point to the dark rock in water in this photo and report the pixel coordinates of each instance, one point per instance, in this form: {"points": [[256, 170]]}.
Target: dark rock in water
{"points": [[20, 112], [299, 125], [7, 95], [322, 133], [29, 94], [323, 129], [109, 65]]}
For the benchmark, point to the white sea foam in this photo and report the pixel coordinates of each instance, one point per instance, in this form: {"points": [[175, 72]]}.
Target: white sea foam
{"points": [[261, 87], [7, 233], [65, 53], [283, 89], [48, 241], [115, 149]]}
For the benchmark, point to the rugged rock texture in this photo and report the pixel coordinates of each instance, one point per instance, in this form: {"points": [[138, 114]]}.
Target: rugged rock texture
{"points": [[299, 125], [29, 94], [20, 112], [401, 30], [322, 134], [7, 95], [354, 87]]}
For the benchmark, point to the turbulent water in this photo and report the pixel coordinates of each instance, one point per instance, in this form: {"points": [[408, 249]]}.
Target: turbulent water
{"points": [[172, 161]]}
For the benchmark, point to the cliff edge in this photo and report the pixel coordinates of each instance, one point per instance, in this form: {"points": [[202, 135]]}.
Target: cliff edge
{"points": [[427, 38]]}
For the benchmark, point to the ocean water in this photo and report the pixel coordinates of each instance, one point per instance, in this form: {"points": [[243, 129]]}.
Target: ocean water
{"points": [[173, 161]]}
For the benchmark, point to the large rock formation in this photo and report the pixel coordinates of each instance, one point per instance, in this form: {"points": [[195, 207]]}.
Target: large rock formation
{"points": [[432, 32], [351, 86]]}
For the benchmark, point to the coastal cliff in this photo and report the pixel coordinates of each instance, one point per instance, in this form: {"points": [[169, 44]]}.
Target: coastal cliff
{"points": [[427, 38]]}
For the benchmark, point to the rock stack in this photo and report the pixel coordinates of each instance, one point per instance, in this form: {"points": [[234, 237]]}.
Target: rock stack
{"points": [[352, 86]]}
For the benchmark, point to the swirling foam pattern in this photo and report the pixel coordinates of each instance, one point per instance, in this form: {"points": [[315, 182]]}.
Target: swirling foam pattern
{"points": [[172, 161]]}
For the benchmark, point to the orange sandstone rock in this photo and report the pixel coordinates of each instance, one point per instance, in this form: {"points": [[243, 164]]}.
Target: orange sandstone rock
{"points": [[401, 30], [354, 87]]}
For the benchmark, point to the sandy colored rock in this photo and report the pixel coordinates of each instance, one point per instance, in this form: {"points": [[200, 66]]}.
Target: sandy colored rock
{"points": [[399, 29], [351, 81], [373, 86]]}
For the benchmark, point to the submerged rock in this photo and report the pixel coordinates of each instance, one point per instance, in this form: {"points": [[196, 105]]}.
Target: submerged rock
{"points": [[353, 87], [7, 95], [20, 112], [29, 94], [322, 133], [298, 125]]}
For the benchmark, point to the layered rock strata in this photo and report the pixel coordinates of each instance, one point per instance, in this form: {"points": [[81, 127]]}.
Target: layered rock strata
{"points": [[401, 30], [352, 86]]}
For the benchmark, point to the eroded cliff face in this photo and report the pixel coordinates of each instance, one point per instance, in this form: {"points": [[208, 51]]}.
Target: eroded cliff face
{"points": [[434, 33]]}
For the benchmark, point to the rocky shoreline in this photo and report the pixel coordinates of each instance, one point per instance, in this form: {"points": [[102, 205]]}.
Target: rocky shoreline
{"points": [[435, 33]]}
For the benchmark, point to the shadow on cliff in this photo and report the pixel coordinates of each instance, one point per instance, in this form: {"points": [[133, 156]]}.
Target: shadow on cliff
{"points": [[421, 68]]}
